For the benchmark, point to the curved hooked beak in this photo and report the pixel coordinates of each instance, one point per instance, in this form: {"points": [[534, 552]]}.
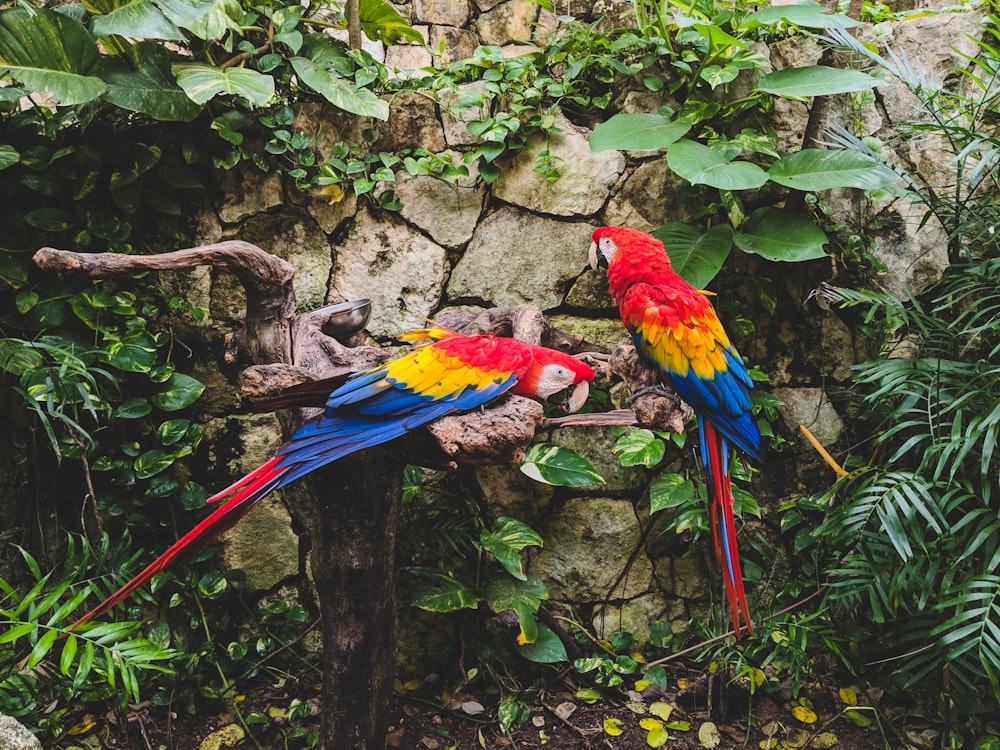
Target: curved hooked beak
{"points": [[572, 398], [595, 258]]}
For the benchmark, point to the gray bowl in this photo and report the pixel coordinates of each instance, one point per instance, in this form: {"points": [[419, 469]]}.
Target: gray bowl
{"points": [[345, 319]]}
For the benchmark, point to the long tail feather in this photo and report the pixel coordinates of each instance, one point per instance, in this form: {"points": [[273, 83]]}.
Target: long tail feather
{"points": [[715, 454], [252, 489]]}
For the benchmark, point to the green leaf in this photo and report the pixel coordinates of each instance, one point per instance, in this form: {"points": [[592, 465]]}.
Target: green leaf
{"points": [[636, 132], [134, 408], [806, 15], [203, 82], [339, 91], [553, 464], [152, 462], [51, 52], [817, 169], [668, 491], [448, 596], [639, 448], [150, 88], [695, 254], [704, 165], [8, 156], [180, 392], [381, 22], [816, 80], [506, 540], [523, 597], [779, 235], [136, 19], [547, 648], [172, 431]]}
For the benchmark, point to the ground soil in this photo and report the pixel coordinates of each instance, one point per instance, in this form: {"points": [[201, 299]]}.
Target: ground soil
{"points": [[558, 720]]}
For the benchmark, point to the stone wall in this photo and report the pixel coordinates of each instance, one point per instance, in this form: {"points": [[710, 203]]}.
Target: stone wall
{"points": [[525, 239]]}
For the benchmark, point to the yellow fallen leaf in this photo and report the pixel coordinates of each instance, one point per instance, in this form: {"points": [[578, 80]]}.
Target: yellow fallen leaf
{"points": [[824, 740], [771, 728], [796, 738], [84, 726], [662, 710], [657, 737], [771, 743], [613, 726], [804, 714], [228, 736], [649, 723], [708, 735], [335, 193], [276, 713], [849, 695], [858, 718], [682, 683], [636, 707], [641, 685]]}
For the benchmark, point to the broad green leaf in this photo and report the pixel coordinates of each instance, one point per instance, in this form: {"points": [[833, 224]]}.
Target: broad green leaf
{"points": [[203, 82], [818, 169], [779, 235], [718, 39], [547, 648], [49, 219], [16, 357], [150, 88], [51, 52], [703, 165], [152, 462], [816, 80], [639, 448], [506, 540], [185, 12], [553, 464], [668, 491], [339, 91], [448, 595], [636, 132], [134, 408], [657, 737], [523, 597], [695, 254], [136, 19], [8, 156], [180, 392], [381, 22], [806, 15], [222, 16], [172, 431]]}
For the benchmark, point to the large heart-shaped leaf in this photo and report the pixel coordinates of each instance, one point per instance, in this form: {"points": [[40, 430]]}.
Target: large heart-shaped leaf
{"points": [[447, 596], [703, 165], [553, 464], [806, 15], [180, 392], [150, 88], [136, 19], [202, 82], [523, 597], [51, 52], [636, 131], [547, 648], [695, 254], [779, 235], [381, 22], [817, 169], [339, 91], [816, 80], [506, 540]]}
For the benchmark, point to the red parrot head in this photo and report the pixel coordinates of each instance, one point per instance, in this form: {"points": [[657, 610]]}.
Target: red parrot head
{"points": [[608, 241], [557, 379]]}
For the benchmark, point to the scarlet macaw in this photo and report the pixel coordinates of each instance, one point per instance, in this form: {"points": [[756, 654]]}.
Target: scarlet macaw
{"points": [[676, 331], [453, 373]]}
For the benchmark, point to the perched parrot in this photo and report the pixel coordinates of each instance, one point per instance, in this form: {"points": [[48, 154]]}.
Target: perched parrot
{"points": [[453, 373], [676, 331]]}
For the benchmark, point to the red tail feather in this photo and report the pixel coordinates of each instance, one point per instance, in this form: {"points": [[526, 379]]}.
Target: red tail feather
{"points": [[224, 517], [720, 507]]}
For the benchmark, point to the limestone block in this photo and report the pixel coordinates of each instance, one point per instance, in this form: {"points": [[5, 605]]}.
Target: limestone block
{"points": [[812, 408], [606, 332], [458, 109], [394, 265], [588, 552], [515, 257], [913, 255], [412, 123], [597, 447], [446, 12], [15, 736], [453, 44], [298, 239], [511, 21], [650, 197], [404, 58], [246, 192], [446, 211], [636, 616], [585, 177]]}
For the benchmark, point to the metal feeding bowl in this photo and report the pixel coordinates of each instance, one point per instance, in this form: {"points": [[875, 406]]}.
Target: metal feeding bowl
{"points": [[345, 319]]}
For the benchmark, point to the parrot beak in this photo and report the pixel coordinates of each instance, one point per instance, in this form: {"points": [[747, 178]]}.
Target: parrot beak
{"points": [[570, 400], [593, 256]]}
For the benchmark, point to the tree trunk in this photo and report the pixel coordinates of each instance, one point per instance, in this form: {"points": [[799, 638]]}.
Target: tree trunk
{"points": [[353, 560]]}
